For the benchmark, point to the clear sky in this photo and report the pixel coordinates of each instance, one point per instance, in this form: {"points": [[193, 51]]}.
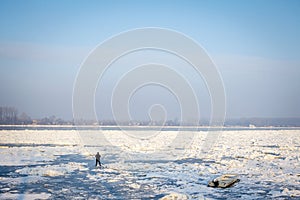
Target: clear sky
{"points": [[255, 45]]}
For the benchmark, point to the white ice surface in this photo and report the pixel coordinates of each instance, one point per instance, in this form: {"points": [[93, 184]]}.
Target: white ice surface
{"points": [[266, 160], [24, 196]]}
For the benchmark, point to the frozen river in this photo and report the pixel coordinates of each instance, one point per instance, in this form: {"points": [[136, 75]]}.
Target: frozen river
{"points": [[59, 164]]}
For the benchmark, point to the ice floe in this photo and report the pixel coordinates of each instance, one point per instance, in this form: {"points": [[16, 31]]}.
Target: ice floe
{"points": [[60, 164]]}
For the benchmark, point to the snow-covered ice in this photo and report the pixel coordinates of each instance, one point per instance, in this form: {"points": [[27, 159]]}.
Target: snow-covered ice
{"points": [[59, 164]]}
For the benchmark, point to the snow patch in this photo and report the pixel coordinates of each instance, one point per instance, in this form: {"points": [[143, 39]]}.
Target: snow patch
{"points": [[52, 170], [25, 196], [175, 196]]}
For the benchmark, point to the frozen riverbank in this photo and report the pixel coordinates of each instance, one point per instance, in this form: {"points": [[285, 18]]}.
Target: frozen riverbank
{"points": [[48, 164]]}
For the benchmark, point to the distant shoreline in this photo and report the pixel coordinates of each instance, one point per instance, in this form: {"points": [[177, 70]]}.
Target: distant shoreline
{"points": [[136, 128]]}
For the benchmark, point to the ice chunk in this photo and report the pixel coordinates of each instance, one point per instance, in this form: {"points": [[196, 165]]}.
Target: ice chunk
{"points": [[175, 196]]}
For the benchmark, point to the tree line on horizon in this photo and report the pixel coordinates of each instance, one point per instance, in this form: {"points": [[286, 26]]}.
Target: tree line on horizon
{"points": [[10, 116]]}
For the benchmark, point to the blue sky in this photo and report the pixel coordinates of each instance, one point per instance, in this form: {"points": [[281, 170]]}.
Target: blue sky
{"points": [[255, 45]]}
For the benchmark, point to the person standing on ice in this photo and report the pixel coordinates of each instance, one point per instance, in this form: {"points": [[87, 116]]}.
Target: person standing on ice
{"points": [[98, 156]]}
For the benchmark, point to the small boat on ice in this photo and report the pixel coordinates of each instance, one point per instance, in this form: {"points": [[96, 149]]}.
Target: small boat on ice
{"points": [[224, 181]]}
